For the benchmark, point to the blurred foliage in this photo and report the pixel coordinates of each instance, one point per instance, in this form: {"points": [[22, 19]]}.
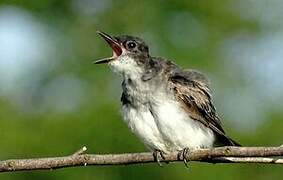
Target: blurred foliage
{"points": [[97, 123]]}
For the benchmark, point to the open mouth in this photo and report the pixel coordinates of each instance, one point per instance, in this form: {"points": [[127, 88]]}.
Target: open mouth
{"points": [[114, 44]]}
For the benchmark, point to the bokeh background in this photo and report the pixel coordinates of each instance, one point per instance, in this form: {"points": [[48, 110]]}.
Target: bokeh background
{"points": [[53, 100]]}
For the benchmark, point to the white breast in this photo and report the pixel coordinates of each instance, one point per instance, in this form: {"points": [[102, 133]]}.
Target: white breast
{"points": [[142, 123], [178, 129], [167, 127]]}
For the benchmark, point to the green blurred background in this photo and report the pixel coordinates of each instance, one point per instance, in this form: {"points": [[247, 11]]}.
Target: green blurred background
{"points": [[53, 100]]}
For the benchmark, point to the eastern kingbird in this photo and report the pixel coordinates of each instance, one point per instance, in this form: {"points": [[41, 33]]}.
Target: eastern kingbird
{"points": [[167, 107]]}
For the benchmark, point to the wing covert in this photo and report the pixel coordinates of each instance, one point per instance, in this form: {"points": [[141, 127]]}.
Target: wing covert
{"points": [[192, 89]]}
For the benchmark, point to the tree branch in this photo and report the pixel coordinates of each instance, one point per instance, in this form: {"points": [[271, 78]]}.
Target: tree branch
{"points": [[270, 155]]}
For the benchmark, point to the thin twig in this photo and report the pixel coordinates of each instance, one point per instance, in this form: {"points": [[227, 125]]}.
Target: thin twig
{"points": [[269, 155], [80, 151], [266, 160]]}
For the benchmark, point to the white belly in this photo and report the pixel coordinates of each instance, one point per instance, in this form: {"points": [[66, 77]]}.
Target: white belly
{"points": [[142, 123], [179, 130], [167, 127]]}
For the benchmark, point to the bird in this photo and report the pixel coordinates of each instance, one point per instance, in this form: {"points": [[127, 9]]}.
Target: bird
{"points": [[169, 108]]}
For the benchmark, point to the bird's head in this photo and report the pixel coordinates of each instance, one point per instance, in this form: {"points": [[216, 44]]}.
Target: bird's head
{"points": [[130, 54]]}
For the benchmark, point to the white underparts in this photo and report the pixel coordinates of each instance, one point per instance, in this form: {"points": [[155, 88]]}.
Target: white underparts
{"points": [[167, 127], [155, 116]]}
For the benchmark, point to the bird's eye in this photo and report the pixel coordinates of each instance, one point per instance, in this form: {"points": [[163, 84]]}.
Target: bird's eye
{"points": [[131, 44]]}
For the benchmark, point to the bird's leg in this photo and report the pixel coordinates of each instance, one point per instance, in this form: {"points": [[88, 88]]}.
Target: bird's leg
{"points": [[158, 155], [183, 155]]}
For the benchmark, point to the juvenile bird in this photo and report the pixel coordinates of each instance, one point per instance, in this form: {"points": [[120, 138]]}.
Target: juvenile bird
{"points": [[167, 107]]}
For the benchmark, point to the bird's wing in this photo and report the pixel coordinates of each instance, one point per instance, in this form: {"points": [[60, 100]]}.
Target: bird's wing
{"points": [[192, 89]]}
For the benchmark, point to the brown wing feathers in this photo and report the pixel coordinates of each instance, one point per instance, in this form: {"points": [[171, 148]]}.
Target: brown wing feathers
{"points": [[191, 87]]}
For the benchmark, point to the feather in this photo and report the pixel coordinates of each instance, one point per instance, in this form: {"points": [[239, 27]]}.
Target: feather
{"points": [[192, 89]]}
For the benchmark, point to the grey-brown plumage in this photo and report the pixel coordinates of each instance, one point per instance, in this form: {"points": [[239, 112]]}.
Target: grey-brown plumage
{"points": [[168, 107], [190, 87]]}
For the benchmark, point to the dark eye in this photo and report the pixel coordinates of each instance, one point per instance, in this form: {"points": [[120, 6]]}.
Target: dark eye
{"points": [[131, 44]]}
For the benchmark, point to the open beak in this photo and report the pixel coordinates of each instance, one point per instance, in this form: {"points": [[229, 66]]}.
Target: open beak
{"points": [[114, 44]]}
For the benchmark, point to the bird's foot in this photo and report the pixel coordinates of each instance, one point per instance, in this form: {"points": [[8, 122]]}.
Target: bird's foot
{"points": [[158, 155], [184, 155]]}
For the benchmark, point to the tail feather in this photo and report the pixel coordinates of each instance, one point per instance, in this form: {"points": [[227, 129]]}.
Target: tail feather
{"points": [[224, 140], [234, 143]]}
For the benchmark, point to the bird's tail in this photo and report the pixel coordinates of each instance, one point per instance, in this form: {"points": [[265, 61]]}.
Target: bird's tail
{"points": [[234, 143], [224, 140]]}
